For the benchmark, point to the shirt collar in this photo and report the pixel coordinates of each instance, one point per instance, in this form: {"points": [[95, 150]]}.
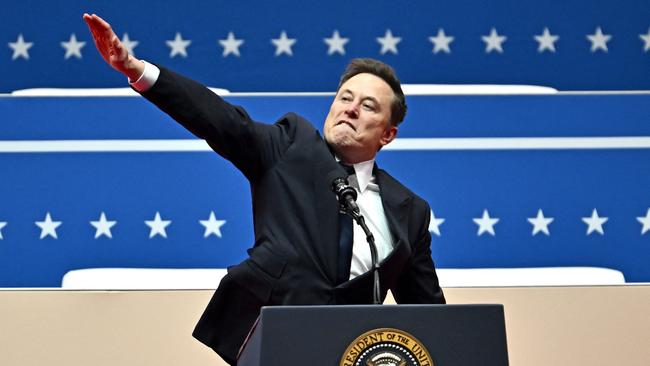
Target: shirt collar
{"points": [[363, 173]]}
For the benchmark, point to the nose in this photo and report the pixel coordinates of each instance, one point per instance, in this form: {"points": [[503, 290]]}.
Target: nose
{"points": [[352, 110]]}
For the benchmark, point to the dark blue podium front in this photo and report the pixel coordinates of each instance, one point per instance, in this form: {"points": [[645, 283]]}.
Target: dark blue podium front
{"points": [[453, 335]]}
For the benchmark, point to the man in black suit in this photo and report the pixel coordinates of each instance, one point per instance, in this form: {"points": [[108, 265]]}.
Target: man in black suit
{"points": [[300, 255]]}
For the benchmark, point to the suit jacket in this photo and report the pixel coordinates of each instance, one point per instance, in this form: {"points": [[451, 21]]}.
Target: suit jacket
{"points": [[295, 255]]}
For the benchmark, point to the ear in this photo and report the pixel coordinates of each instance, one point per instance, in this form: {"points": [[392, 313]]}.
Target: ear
{"points": [[388, 135]]}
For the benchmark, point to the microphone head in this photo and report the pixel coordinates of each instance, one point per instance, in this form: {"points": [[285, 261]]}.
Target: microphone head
{"points": [[342, 189], [338, 184]]}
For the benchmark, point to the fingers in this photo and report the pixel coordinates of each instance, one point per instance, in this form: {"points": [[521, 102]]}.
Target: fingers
{"points": [[102, 32], [106, 41], [101, 22], [98, 26], [96, 22], [111, 48]]}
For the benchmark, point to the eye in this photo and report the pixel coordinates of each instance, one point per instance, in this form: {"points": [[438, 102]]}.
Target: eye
{"points": [[369, 106], [346, 98]]}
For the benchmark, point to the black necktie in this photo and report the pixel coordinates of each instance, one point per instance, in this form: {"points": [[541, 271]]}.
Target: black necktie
{"points": [[345, 239]]}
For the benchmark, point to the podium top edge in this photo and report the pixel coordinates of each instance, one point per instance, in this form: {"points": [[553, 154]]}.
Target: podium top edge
{"points": [[377, 307]]}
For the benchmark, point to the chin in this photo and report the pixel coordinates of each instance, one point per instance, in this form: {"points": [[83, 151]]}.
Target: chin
{"points": [[342, 141]]}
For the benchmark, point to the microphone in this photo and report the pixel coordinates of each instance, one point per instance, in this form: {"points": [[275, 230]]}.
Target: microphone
{"points": [[346, 195]]}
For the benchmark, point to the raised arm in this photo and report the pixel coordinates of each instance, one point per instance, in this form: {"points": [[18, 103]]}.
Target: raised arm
{"points": [[253, 147], [112, 49]]}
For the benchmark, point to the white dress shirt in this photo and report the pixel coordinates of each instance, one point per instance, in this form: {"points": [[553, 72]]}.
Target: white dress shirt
{"points": [[369, 201]]}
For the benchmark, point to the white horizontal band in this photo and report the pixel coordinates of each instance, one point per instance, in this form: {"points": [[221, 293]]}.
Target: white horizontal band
{"points": [[521, 143], [403, 144]]}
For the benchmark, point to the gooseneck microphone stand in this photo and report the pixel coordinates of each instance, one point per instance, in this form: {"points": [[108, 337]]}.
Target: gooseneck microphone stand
{"points": [[347, 200], [358, 218]]}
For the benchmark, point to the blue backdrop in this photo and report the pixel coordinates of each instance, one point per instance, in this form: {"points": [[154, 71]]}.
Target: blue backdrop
{"points": [[32, 33], [63, 156]]}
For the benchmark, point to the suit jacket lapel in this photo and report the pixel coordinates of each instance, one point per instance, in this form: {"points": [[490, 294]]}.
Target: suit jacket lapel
{"points": [[327, 207], [396, 202]]}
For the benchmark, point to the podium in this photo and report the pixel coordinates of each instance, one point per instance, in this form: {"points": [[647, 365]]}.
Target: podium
{"points": [[378, 335]]}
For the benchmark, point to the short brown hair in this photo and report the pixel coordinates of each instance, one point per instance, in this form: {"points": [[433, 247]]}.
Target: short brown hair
{"points": [[386, 73]]}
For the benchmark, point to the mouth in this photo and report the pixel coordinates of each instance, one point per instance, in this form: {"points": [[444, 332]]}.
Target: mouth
{"points": [[344, 122]]}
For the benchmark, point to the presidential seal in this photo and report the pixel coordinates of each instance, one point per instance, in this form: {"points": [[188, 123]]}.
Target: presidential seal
{"points": [[386, 347]]}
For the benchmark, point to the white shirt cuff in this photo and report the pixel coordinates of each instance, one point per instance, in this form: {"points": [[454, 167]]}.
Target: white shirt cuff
{"points": [[147, 79]]}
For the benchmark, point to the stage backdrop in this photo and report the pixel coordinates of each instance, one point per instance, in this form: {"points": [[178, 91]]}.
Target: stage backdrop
{"points": [[296, 45], [513, 181]]}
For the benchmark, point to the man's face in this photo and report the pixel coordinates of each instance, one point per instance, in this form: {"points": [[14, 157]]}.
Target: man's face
{"points": [[358, 123]]}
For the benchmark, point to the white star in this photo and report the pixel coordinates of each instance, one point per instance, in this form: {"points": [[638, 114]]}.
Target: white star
{"points": [[599, 40], [388, 42], [73, 47], [546, 41], [595, 223], [493, 41], [643, 220], [646, 39], [540, 223], [129, 44], [178, 46], [212, 225], [48, 227], [103, 226], [20, 48], [441, 42], [231, 45], [283, 44], [434, 224], [336, 43], [158, 226], [2, 225], [485, 224]]}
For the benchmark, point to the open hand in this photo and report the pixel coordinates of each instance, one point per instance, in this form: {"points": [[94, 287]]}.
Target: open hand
{"points": [[112, 49]]}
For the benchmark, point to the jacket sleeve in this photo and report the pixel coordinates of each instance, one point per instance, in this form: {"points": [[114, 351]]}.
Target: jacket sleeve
{"points": [[418, 282], [251, 146]]}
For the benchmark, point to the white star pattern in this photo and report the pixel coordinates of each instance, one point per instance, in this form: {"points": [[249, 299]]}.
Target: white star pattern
{"points": [[645, 221], [485, 224], [129, 44], [336, 44], [388, 42], [21, 48], [178, 46], [48, 227], [646, 41], [212, 225], [72, 47], [2, 225], [494, 41], [595, 223], [231, 45], [546, 41], [158, 226], [434, 224], [103, 226], [540, 223], [441, 42], [283, 44], [599, 40]]}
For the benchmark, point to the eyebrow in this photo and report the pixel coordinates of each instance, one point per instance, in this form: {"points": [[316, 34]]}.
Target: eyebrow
{"points": [[368, 97]]}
